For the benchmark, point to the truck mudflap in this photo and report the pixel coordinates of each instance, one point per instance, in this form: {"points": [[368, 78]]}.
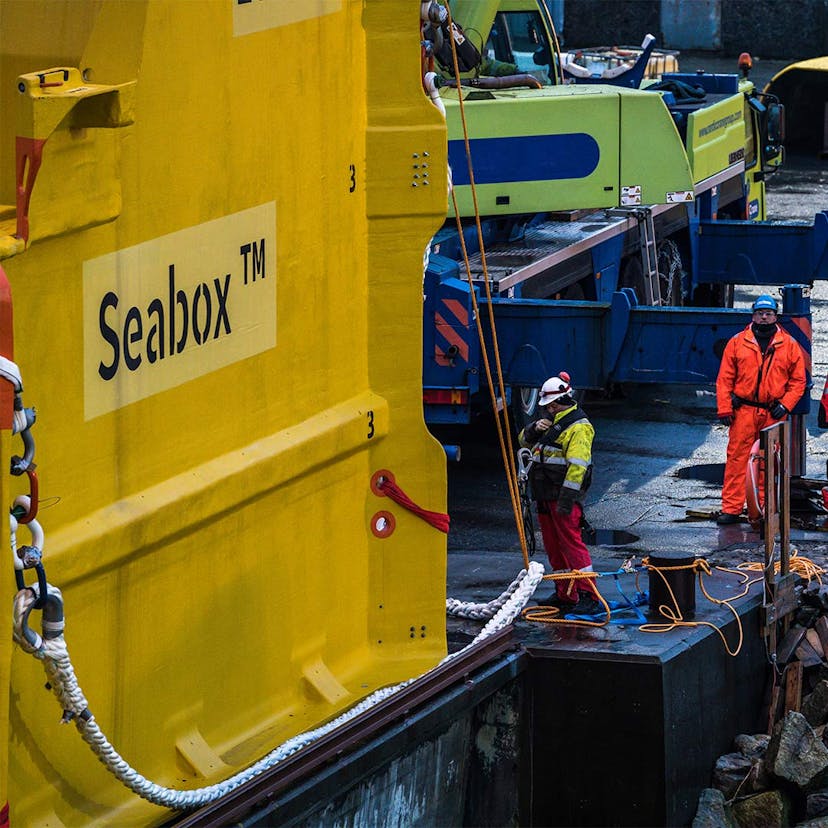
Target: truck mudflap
{"points": [[761, 252]]}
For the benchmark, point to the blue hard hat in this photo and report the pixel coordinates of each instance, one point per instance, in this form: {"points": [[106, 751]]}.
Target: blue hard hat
{"points": [[765, 301]]}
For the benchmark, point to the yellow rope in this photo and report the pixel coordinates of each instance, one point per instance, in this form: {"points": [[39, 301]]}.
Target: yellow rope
{"points": [[804, 567], [552, 615], [505, 443], [673, 614], [799, 564]]}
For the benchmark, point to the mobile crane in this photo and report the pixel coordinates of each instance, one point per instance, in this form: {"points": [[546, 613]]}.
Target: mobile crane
{"points": [[615, 220]]}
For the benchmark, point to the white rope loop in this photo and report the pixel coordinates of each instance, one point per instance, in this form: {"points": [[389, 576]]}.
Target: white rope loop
{"points": [[61, 674], [22, 605], [10, 371], [522, 589], [463, 609]]}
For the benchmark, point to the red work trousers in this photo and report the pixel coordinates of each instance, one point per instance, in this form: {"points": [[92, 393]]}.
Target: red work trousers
{"points": [[564, 547], [747, 423]]}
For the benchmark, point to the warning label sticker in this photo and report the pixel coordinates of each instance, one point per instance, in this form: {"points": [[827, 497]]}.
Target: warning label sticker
{"points": [[679, 197], [631, 195]]}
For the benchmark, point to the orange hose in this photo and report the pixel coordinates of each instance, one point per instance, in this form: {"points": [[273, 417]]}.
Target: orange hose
{"points": [[752, 495]]}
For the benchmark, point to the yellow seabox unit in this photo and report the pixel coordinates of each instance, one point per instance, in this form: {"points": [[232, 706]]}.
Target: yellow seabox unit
{"points": [[211, 246]]}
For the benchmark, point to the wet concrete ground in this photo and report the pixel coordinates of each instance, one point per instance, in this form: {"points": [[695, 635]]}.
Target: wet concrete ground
{"points": [[653, 449], [644, 445], [659, 452]]}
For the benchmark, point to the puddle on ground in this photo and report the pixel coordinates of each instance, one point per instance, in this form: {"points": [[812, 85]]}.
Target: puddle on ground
{"points": [[607, 537], [709, 472], [735, 534]]}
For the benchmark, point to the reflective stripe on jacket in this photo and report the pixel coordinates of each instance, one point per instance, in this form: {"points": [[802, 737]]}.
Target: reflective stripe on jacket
{"points": [[571, 452], [778, 375]]}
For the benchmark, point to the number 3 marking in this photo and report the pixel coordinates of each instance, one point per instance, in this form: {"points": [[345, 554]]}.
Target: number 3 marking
{"points": [[370, 424], [352, 170]]}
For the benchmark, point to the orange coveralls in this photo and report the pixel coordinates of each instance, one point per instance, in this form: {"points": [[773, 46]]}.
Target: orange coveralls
{"points": [[778, 375]]}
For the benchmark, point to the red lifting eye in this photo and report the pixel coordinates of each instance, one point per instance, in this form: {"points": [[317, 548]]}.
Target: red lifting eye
{"points": [[377, 480], [383, 524]]}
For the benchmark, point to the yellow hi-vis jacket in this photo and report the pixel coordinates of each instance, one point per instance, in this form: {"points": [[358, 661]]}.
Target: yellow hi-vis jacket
{"points": [[561, 458]]}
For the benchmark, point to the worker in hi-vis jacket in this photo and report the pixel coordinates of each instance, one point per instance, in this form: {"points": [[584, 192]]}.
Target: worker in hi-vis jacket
{"points": [[559, 476], [761, 379]]}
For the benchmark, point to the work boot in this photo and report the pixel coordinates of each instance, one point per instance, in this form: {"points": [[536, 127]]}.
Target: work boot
{"points": [[559, 603], [587, 605], [726, 518]]}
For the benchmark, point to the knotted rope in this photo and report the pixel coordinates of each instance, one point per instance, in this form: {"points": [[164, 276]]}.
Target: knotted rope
{"points": [[438, 520]]}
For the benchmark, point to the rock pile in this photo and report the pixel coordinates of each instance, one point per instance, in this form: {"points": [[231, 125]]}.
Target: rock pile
{"points": [[782, 779]]}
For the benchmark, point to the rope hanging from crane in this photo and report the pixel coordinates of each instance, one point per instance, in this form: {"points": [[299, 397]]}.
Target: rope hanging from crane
{"points": [[501, 412]]}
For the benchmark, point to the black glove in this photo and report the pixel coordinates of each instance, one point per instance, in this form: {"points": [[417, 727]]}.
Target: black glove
{"points": [[778, 411], [726, 419], [566, 500]]}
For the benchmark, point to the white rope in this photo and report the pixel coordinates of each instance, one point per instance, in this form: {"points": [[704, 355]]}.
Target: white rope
{"points": [[430, 81], [527, 582], [9, 371], [55, 657], [20, 422], [468, 609]]}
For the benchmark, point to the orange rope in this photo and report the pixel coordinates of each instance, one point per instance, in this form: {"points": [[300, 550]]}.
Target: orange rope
{"points": [[552, 615], [506, 448], [673, 614], [804, 567]]}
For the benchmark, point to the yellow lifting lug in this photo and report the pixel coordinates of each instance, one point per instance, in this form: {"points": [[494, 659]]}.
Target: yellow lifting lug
{"points": [[49, 96]]}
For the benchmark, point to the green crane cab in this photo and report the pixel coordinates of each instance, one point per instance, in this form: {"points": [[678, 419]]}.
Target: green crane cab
{"points": [[579, 144]]}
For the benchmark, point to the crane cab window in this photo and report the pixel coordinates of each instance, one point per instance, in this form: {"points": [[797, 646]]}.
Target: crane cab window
{"points": [[518, 42]]}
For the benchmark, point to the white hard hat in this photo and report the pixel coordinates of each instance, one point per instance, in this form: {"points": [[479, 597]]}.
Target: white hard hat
{"points": [[555, 388]]}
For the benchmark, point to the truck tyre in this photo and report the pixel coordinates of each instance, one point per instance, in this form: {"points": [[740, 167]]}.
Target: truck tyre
{"points": [[670, 274], [524, 406], [713, 296]]}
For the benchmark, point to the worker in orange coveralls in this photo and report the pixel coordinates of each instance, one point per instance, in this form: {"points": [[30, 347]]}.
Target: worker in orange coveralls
{"points": [[761, 379]]}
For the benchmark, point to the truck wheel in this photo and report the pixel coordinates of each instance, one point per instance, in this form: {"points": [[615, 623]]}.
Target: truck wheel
{"points": [[670, 274], [524, 406], [632, 276]]}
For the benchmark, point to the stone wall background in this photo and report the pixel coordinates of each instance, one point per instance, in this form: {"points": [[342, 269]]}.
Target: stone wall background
{"points": [[791, 29]]}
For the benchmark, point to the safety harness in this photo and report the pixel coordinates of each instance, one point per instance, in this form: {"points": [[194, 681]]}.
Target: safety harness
{"points": [[546, 479]]}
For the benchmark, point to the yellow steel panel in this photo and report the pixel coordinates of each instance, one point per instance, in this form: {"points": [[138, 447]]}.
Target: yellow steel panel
{"points": [[549, 112], [716, 136], [664, 168], [211, 528]]}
